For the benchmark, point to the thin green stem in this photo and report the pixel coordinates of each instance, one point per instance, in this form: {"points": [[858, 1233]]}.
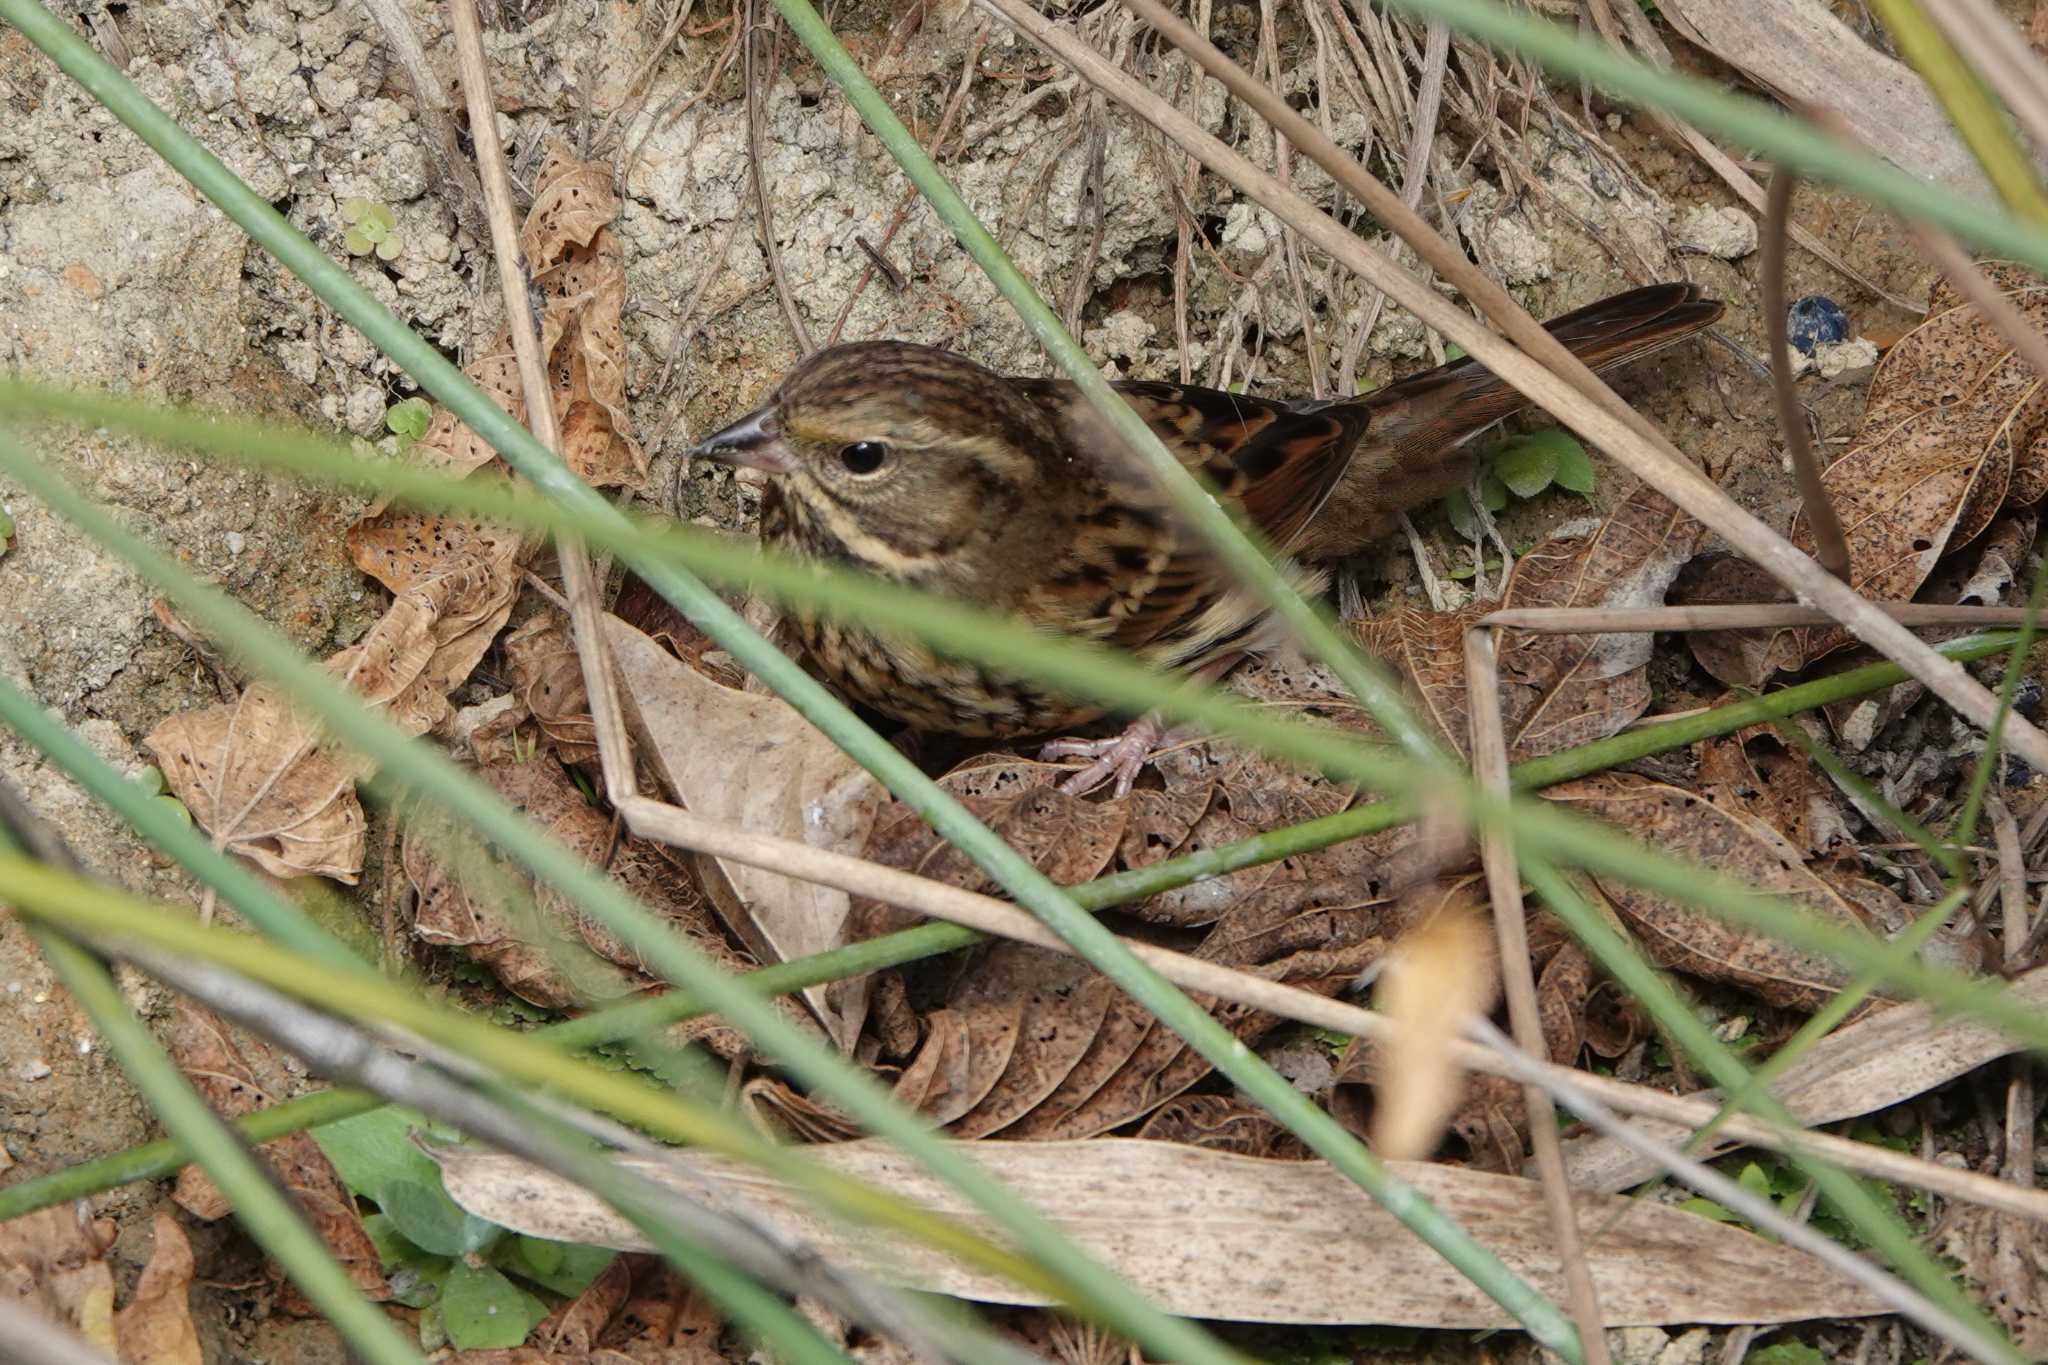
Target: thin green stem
{"points": [[1741, 120], [259, 1206], [1969, 104], [1844, 1192]]}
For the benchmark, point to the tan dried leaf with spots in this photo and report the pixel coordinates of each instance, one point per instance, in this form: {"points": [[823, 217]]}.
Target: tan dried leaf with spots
{"points": [[1737, 844]]}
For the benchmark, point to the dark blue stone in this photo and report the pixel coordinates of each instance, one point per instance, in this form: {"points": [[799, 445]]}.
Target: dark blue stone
{"points": [[1815, 320]]}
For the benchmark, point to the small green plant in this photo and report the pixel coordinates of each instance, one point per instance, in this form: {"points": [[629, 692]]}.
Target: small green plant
{"points": [[1523, 466], [408, 420], [473, 1280], [1787, 1353], [372, 227], [151, 780]]}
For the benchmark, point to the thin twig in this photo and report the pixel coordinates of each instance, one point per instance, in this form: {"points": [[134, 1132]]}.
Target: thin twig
{"points": [[578, 582], [431, 103], [1511, 934], [1831, 547], [1573, 620], [657, 820], [1567, 389], [757, 138]]}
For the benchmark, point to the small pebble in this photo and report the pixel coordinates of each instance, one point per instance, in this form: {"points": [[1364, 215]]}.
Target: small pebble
{"points": [[1833, 358], [1814, 321], [35, 1070], [235, 541], [1727, 233]]}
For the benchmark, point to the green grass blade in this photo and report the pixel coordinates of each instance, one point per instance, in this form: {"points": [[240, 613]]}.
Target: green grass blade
{"points": [[1843, 1191], [259, 1206], [1740, 119]]}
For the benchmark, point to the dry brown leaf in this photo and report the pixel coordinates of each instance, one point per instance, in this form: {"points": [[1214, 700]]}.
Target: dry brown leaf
{"points": [[752, 761], [1222, 1124], [635, 1313], [1059, 1002], [258, 776], [1883, 1059], [547, 680], [1207, 1234], [261, 777], [1435, 977], [53, 1264], [1069, 839], [1557, 691], [1754, 771], [1737, 845], [1133, 1065], [537, 943], [575, 1327], [155, 1326], [214, 1063], [1956, 429]]}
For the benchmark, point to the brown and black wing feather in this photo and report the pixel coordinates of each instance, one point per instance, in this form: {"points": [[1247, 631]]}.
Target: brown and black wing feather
{"points": [[1612, 332], [1282, 463]]}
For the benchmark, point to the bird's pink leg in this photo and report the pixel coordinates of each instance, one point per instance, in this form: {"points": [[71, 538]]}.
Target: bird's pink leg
{"points": [[1125, 756], [1121, 757]]}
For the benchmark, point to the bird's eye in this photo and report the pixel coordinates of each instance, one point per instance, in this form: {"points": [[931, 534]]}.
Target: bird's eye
{"points": [[864, 457]]}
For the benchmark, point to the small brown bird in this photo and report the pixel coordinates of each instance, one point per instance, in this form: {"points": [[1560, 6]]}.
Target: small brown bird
{"points": [[922, 467]]}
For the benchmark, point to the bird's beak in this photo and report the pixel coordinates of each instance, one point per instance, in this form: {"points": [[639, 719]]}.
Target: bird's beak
{"points": [[754, 441]]}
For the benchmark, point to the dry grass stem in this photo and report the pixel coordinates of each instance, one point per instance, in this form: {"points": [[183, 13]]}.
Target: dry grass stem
{"points": [[1511, 935], [658, 820], [579, 583]]}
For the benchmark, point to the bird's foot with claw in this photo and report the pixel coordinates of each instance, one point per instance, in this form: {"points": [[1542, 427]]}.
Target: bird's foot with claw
{"points": [[1122, 757]]}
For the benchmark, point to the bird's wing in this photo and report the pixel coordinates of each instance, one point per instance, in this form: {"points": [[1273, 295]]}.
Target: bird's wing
{"points": [[1274, 464]]}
